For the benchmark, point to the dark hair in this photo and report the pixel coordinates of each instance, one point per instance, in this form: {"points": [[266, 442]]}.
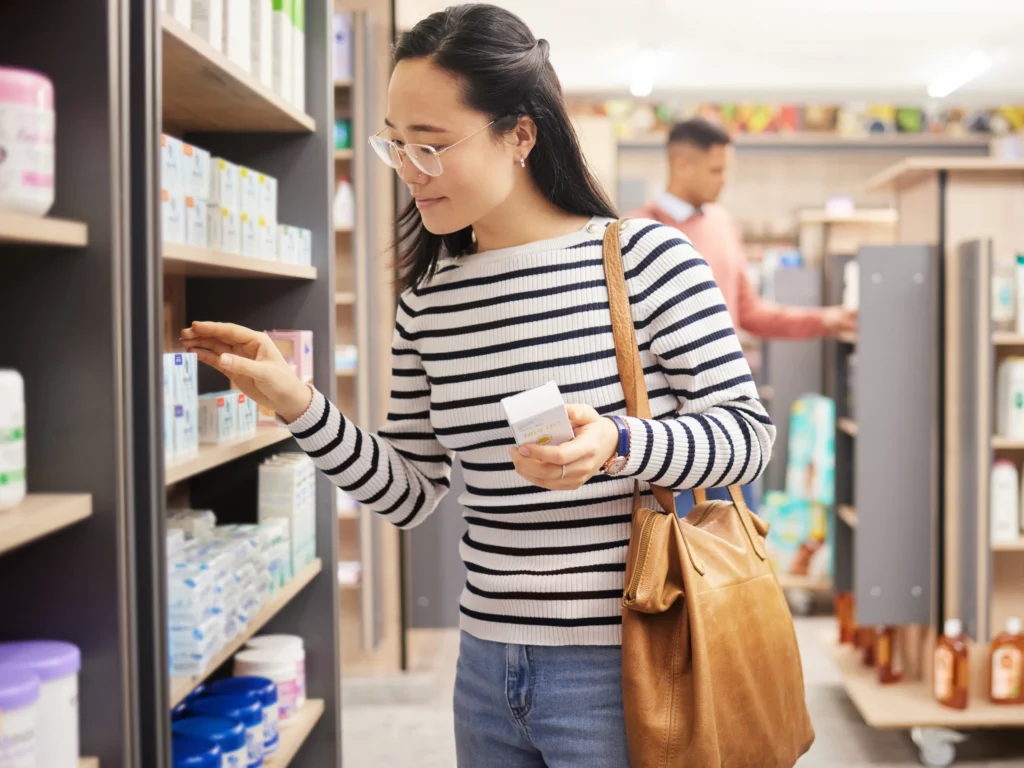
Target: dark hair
{"points": [[698, 132], [506, 75]]}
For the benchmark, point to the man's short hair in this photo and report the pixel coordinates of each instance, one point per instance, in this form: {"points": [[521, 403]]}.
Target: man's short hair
{"points": [[698, 132]]}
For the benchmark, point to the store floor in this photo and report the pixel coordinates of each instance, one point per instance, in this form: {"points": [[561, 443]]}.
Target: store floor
{"points": [[408, 724]]}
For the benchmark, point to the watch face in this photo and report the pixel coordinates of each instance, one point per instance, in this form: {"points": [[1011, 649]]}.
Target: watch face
{"points": [[617, 465]]}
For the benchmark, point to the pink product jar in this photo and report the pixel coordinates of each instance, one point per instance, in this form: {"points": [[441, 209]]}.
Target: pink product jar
{"points": [[26, 141]]}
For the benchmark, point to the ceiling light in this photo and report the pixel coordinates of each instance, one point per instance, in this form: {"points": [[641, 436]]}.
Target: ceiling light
{"points": [[641, 87], [958, 76]]}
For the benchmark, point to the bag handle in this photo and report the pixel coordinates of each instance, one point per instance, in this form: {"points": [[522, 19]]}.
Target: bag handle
{"points": [[631, 372]]}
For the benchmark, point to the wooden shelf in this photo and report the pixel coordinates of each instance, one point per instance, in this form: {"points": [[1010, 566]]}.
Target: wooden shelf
{"points": [[348, 514], [1009, 546], [914, 169], [342, 83], [89, 762], [295, 733], [210, 456], [789, 581], [1008, 338], [344, 230], [203, 90], [181, 686], [813, 140], [1007, 443], [848, 514], [41, 514], [184, 260], [344, 297], [23, 229], [887, 216], [909, 704], [346, 373], [847, 338], [849, 426], [343, 154]]}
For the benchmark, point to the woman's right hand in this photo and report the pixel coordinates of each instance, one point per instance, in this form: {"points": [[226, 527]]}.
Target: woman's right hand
{"points": [[253, 363]]}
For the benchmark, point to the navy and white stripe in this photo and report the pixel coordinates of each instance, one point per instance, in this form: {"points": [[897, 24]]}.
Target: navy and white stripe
{"points": [[546, 567]]}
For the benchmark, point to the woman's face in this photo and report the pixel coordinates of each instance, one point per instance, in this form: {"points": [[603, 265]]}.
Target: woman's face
{"points": [[424, 107]]}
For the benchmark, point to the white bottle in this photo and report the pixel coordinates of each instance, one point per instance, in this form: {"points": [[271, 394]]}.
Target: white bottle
{"points": [[344, 206], [1004, 279], [342, 48], [12, 439], [851, 286], [1004, 501], [1010, 398], [1020, 292]]}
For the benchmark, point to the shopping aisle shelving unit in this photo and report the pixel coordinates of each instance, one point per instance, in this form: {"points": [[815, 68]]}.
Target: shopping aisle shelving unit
{"points": [[182, 86], [66, 571]]}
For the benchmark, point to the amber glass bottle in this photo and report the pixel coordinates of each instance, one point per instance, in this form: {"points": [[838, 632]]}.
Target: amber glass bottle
{"points": [[845, 617], [1007, 665], [888, 656], [950, 669]]}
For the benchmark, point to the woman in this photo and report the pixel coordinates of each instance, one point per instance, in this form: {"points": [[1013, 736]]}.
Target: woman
{"points": [[504, 291]]}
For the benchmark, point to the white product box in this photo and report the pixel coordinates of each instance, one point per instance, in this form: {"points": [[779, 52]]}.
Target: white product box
{"points": [[281, 48], [249, 191], [268, 197], [196, 172], [251, 236], [299, 54], [245, 423], [304, 247], [208, 21], [168, 429], [285, 244], [262, 12], [268, 239], [238, 33], [287, 489], [171, 157], [172, 210], [186, 434], [538, 416], [225, 230], [217, 417], [197, 225], [186, 378], [225, 187], [181, 10]]}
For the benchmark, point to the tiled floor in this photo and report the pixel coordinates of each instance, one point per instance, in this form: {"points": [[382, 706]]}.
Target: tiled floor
{"points": [[418, 732]]}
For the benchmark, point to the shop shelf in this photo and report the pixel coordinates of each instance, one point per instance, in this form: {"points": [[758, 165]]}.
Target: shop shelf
{"points": [[864, 216], [789, 581], [344, 298], [342, 83], [1008, 339], [909, 704], [89, 762], [343, 154], [210, 456], [1009, 546], [1007, 443], [203, 90], [187, 261], [346, 373], [849, 426], [294, 735], [182, 685], [847, 514], [23, 229], [343, 230], [41, 514]]}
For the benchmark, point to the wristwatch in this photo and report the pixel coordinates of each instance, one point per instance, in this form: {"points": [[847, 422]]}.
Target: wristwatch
{"points": [[620, 458]]}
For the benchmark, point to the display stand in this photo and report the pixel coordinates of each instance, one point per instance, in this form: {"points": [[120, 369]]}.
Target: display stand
{"points": [[66, 571]]}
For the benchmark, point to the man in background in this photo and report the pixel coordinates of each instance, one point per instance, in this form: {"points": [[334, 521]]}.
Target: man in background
{"points": [[698, 158]]}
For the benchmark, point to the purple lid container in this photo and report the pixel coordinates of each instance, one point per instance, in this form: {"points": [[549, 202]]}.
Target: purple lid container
{"points": [[18, 688], [49, 659]]}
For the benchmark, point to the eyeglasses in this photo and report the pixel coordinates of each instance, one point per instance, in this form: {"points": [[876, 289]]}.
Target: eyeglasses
{"points": [[427, 159]]}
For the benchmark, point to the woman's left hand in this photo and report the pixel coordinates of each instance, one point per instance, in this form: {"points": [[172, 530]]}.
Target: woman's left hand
{"points": [[568, 466]]}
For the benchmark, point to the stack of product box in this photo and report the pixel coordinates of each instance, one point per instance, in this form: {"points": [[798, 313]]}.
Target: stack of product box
{"points": [[266, 38], [184, 192], [218, 581], [288, 492], [226, 416], [297, 349], [181, 404]]}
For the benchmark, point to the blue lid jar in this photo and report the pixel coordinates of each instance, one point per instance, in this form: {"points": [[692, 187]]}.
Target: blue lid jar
{"points": [[192, 753], [229, 735], [179, 711], [246, 709], [266, 691]]}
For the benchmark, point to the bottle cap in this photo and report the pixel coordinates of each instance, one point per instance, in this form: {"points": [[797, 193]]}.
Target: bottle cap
{"points": [[1013, 625], [953, 628]]}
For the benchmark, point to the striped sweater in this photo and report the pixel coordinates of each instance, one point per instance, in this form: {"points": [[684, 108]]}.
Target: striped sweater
{"points": [[546, 567]]}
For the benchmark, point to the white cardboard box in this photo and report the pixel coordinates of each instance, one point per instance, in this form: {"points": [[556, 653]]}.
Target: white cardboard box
{"points": [[268, 239], [182, 11], [172, 209], [249, 192], [262, 12], [268, 197], [196, 172], [171, 157], [538, 416], [225, 231], [197, 225], [217, 417], [238, 33], [281, 48], [225, 187], [252, 243], [208, 21], [304, 247], [299, 54], [287, 244]]}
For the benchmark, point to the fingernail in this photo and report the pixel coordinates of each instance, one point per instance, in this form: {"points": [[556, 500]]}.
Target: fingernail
{"points": [[226, 360], [524, 451]]}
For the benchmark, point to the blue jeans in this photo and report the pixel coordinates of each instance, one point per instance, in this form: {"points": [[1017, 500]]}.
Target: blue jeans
{"points": [[531, 706], [684, 499]]}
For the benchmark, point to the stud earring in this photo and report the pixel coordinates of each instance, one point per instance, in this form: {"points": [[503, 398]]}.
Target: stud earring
{"points": [[522, 161]]}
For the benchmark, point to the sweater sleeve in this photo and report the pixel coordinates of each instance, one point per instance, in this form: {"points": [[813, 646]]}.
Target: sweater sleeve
{"points": [[720, 433], [402, 472]]}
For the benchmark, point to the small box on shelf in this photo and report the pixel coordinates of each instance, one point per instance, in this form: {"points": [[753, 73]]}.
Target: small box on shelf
{"points": [[208, 22]]}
